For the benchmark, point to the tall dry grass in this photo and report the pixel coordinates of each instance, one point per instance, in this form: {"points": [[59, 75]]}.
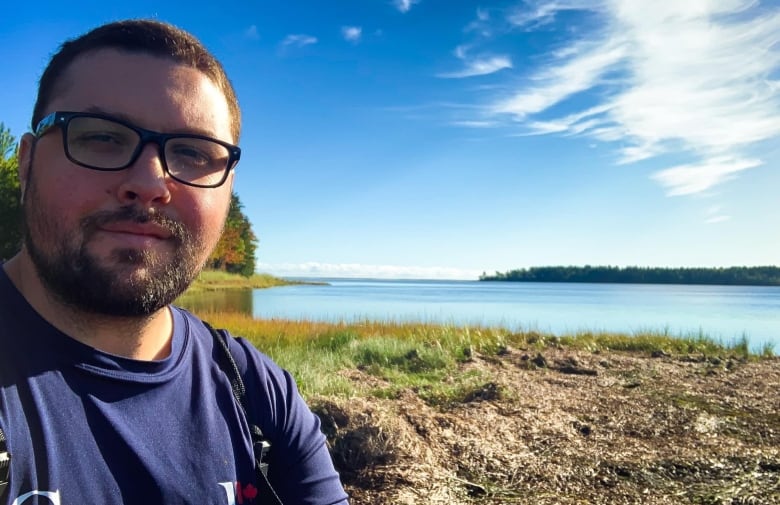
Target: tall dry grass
{"points": [[422, 355]]}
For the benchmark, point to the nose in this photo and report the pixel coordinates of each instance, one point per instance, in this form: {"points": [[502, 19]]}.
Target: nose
{"points": [[145, 182]]}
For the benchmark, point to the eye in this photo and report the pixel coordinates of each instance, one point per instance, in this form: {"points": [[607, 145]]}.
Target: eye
{"points": [[195, 154], [100, 140], [100, 135], [189, 154]]}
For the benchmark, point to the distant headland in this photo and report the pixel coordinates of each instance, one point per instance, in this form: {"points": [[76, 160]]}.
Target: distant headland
{"points": [[730, 276]]}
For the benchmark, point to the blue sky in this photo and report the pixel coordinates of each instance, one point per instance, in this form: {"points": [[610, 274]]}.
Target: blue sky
{"points": [[441, 139]]}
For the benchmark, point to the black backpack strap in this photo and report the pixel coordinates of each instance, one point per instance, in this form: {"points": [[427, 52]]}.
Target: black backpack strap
{"points": [[5, 464], [260, 444]]}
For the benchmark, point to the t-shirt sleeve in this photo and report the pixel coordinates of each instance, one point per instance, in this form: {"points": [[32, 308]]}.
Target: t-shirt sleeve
{"points": [[300, 467]]}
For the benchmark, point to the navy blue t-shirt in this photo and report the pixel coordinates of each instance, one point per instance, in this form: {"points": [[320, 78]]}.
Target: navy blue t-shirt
{"points": [[87, 427]]}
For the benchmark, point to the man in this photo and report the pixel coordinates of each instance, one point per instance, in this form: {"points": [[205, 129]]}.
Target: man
{"points": [[108, 394]]}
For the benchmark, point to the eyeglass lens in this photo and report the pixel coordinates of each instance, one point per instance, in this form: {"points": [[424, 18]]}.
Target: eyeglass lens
{"points": [[105, 144]]}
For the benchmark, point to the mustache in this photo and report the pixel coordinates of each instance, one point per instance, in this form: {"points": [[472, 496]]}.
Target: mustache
{"points": [[133, 214]]}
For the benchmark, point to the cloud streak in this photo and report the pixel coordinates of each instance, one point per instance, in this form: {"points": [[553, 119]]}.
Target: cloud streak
{"points": [[404, 5], [251, 33], [475, 66], [692, 79], [357, 270], [695, 178], [539, 13], [715, 215], [351, 33], [298, 40]]}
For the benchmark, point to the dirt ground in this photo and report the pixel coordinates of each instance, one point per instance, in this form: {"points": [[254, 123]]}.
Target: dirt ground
{"points": [[569, 427]]}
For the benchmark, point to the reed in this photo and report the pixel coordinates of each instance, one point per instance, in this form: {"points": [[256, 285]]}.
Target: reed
{"points": [[212, 280], [423, 356]]}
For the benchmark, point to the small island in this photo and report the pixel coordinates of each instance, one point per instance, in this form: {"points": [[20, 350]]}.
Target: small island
{"points": [[730, 276]]}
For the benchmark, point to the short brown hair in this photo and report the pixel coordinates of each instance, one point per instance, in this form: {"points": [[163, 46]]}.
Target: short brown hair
{"points": [[139, 36]]}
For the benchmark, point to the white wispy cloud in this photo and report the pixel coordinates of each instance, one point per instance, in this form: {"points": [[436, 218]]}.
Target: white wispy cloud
{"points": [[556, 83], [481, 24], [698, 177], [714, 215], [533, 14], [298, 40], [251, 33], [474, 66], [693, 79], [404, 5], [353, 270], [475, 123], [351, 33]]}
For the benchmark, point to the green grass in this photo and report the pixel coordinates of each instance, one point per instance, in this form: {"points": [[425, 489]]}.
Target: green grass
{"points": [[213, 280], [424, 357], [767, 350], [651, 341]]}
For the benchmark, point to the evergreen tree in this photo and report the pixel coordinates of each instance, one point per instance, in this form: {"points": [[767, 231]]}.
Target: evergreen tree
{"points": [[10, 205], [235, 251]]}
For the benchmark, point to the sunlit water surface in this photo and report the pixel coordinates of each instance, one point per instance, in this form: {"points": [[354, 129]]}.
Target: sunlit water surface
{"points": [[724, 313]]}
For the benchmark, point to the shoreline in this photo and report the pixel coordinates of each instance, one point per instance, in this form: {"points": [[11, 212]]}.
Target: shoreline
{"points": [[214, 280], [766, 275]]}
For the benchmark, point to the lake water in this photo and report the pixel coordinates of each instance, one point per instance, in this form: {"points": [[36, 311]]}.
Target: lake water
{"points": [[725, 313]]}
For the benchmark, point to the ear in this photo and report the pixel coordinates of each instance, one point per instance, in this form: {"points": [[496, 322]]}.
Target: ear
{"points": [[25, 156]]}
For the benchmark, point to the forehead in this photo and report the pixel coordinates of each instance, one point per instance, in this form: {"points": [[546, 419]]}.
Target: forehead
{"points": [[153, 92]]}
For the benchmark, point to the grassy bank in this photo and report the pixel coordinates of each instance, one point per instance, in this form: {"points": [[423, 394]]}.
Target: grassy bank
{"points": [[214, 280], [422, 356]]}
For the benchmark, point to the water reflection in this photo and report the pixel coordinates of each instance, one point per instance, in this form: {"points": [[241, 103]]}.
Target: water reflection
{"points": [[228, 300], [721, 312]]}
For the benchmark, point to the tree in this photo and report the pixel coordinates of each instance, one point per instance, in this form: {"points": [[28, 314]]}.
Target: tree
{"points": [[10, 193], [235, 251]]}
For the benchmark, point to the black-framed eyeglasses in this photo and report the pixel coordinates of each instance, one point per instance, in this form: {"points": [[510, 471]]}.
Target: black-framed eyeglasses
{"points": [[102, 142]]}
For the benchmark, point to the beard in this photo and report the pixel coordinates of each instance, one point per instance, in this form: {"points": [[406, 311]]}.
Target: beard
{"points": [[129, 282]]}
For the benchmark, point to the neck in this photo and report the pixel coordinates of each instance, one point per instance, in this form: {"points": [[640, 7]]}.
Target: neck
{"points": [[144, 338]]}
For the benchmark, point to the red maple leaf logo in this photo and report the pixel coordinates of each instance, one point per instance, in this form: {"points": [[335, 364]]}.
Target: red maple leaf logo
{"points": [[250, 492]]}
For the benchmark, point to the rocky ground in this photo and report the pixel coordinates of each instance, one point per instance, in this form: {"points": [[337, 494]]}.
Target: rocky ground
{"points": [[569, 427]]}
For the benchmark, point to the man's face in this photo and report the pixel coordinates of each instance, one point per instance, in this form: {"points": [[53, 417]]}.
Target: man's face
{"points": [[123, 243]]}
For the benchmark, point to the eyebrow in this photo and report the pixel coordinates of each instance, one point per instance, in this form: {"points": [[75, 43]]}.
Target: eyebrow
{"points": [[94, 109]]}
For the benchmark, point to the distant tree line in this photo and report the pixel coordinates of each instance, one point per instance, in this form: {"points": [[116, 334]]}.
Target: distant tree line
{"points": [[746, 276], [235, 252]]}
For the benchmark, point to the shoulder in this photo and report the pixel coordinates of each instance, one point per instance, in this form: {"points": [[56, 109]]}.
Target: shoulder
{"points": [[265, 380], [269, 387], [301, 469], [250, 360]]}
